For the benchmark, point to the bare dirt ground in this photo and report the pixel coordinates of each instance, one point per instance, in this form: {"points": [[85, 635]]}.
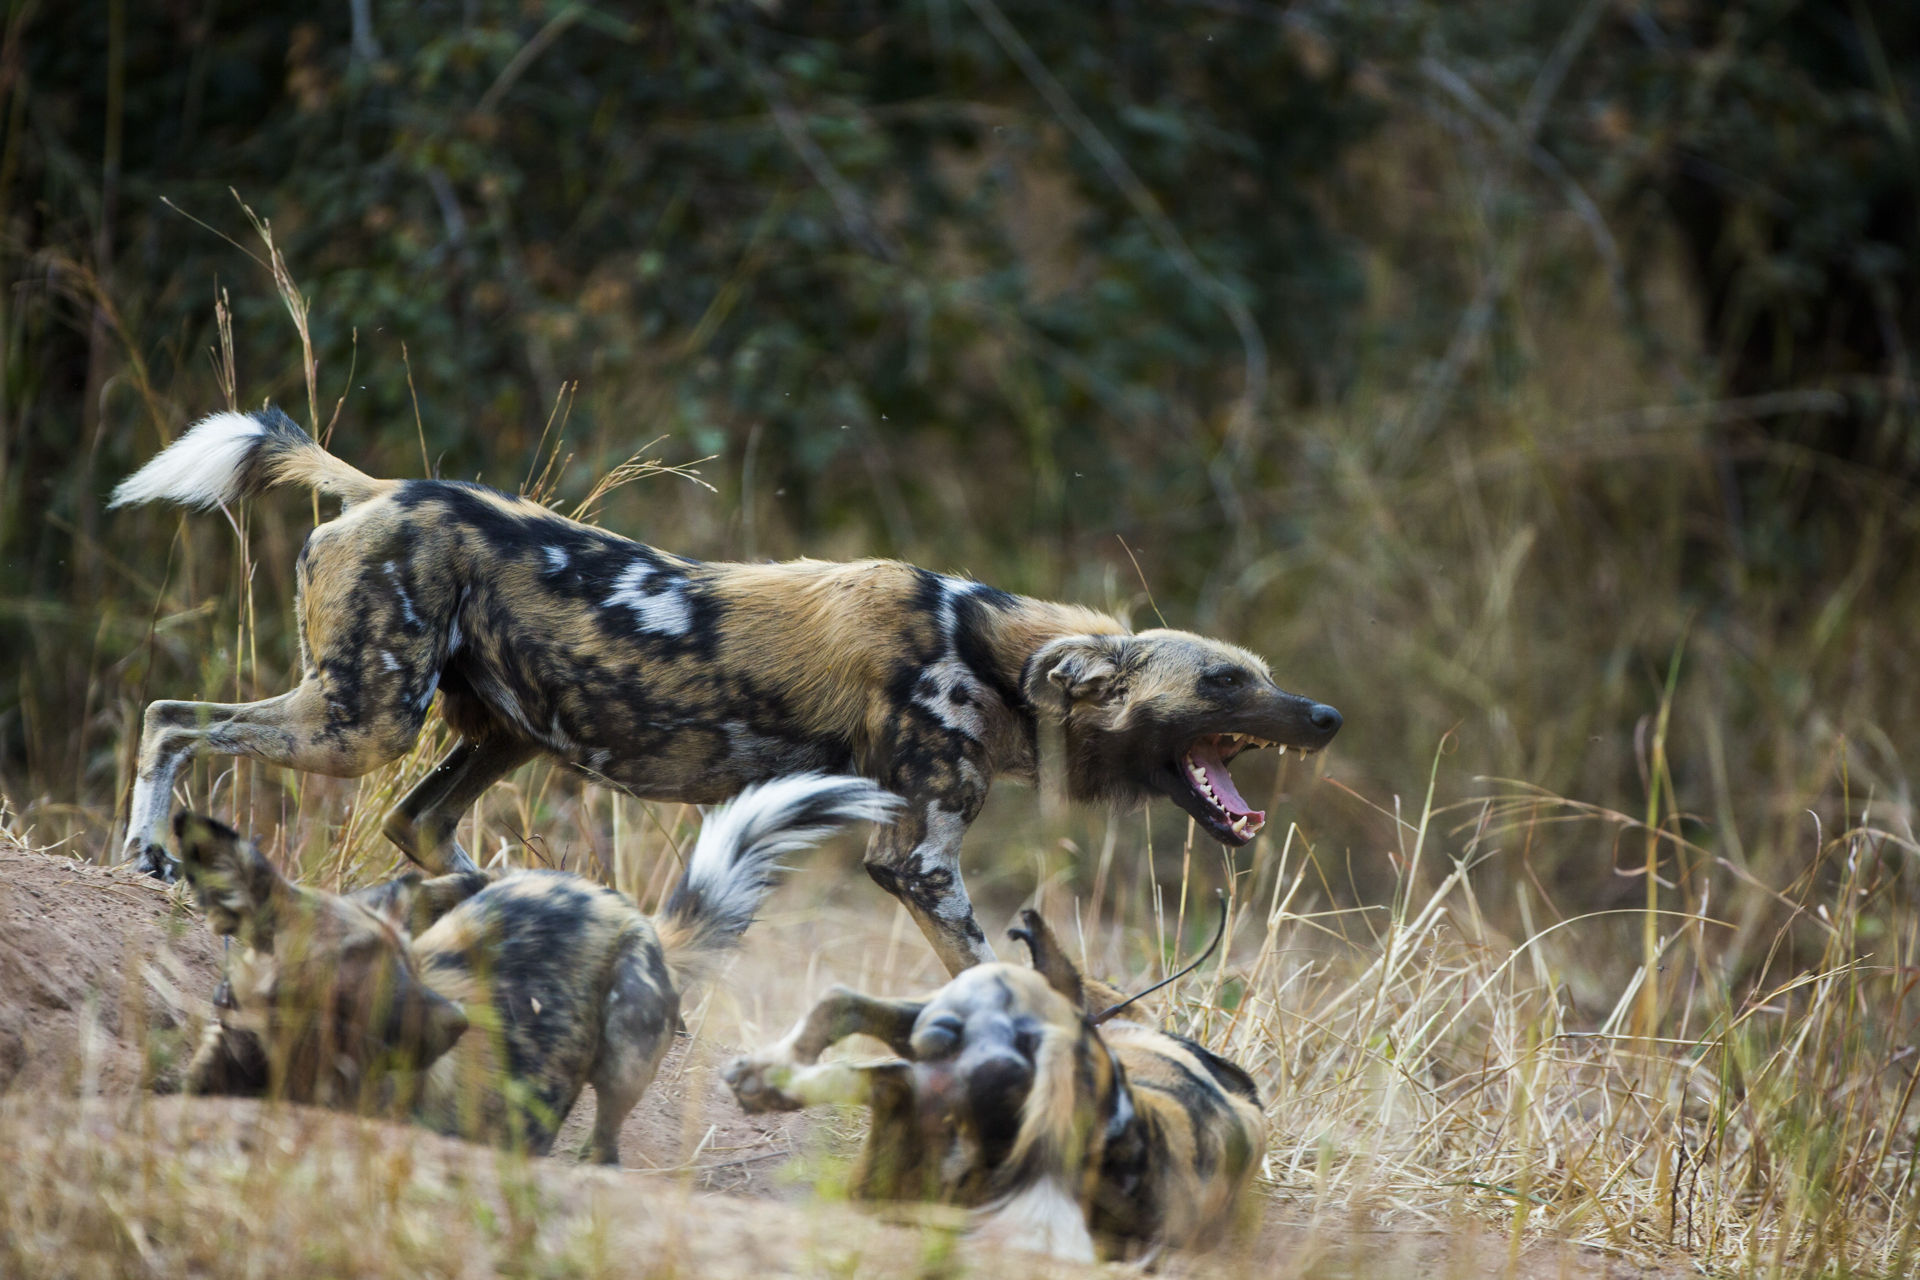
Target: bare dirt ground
{"points": [[104, 981]]}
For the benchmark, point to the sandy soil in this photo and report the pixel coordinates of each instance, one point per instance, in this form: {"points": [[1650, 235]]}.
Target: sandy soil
{"points": [[706, 1189]]}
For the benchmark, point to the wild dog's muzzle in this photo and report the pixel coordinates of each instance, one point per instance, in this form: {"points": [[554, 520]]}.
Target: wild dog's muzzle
{"points": [[1205, 786], [978, 1072]]}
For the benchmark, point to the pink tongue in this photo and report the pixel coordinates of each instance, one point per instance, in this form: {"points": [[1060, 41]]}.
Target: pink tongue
{"points": [[1206, 754]]}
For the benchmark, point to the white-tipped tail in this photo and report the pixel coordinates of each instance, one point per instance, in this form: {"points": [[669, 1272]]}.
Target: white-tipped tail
{"points": [[735, 863], [201, 469], [231, 456]]}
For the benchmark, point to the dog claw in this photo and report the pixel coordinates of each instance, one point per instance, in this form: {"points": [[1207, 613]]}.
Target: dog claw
{"points": [[758, 1086], [153, 860]]}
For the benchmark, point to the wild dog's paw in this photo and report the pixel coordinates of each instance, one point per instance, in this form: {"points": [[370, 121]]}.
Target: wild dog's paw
{"points": [[760, 1084], [152, 859]]}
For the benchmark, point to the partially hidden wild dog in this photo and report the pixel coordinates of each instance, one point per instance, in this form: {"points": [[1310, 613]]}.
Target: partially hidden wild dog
{"points": [[678, 680], [518, 989], [1007, 1098]]}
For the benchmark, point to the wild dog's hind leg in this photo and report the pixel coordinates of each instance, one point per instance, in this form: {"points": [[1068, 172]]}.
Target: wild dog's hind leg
{"points": [[786, 1077], [641, 1010], [310, 729], [422, 824], [917, 860]]}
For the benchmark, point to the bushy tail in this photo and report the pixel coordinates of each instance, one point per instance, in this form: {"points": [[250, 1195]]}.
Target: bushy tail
{"points": [[735, 861], [230, 456]]}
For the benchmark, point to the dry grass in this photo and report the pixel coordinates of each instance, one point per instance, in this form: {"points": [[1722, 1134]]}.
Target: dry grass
{"points": [[1424, 1073]]}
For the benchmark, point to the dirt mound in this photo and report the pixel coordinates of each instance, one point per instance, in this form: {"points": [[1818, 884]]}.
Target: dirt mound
{"points": [[71, 935]]}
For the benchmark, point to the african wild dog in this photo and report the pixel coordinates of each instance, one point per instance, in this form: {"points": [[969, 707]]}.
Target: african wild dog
{"points": [[684, 681], [524, 988], [1008, 1099]]}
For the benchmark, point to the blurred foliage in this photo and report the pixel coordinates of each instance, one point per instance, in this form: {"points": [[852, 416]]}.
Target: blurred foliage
{"points": [[1578, 321]]}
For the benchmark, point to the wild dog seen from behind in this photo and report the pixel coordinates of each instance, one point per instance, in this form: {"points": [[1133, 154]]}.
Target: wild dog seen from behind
{"points": [[1006, 1098], [517, 991], [688, 681]]}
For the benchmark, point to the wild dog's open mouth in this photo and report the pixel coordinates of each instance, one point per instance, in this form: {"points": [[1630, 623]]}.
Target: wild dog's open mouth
{"points": [[1205, 767]]}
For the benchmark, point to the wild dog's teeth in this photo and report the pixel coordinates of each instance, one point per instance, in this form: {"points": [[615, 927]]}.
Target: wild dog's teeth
{"points": [[1240, 825]]}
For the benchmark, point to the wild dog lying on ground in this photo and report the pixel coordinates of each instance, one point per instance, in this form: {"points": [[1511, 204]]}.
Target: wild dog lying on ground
{"points": [[684, 681], [1009, 1099], [519, 989]]}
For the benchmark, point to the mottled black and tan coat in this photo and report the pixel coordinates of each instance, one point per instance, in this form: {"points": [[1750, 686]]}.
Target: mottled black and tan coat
{"points": [[481, 1005], [1066, 1137], [679, 680]]}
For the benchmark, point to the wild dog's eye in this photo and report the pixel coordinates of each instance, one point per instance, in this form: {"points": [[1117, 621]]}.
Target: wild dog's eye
{"points": [[1225, 679]]}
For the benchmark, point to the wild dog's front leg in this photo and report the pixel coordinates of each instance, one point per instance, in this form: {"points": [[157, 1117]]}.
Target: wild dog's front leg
{"points": [[784, 1077], [917, 860], [422, 824]]}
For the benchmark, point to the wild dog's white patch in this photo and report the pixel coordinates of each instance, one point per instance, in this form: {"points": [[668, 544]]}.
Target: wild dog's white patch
{"points": [[936, 689], [658, 600], [455, 638], [200, 469], [952, 591], [406, 601], [503, 699], [556, 738], [670, 614], [433, 683], [1042, 1218], [940, 850], [386, 657], [556, 558]]}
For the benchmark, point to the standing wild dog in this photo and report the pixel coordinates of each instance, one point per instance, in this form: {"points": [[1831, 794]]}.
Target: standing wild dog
{"points": [[520, 988], [1010, 1100], [684, 681]]}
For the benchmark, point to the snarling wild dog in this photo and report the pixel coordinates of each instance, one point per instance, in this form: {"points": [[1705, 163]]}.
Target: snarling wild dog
{"points": [[520, 989], [684, 681], [1008, 1099]]}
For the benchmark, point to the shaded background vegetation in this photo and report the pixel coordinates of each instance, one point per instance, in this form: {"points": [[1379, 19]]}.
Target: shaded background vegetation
{"points": [[1467, 359]]}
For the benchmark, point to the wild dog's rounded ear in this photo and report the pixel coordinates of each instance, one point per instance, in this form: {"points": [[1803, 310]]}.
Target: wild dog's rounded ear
{"points": [[232, 881], [1075, 669]]}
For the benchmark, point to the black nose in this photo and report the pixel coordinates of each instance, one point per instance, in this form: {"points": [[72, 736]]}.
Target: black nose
{"points": [[1325, 718]]}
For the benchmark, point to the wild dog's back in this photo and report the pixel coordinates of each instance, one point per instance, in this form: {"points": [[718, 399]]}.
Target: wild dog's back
{"points": [[1201, 1126]]}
